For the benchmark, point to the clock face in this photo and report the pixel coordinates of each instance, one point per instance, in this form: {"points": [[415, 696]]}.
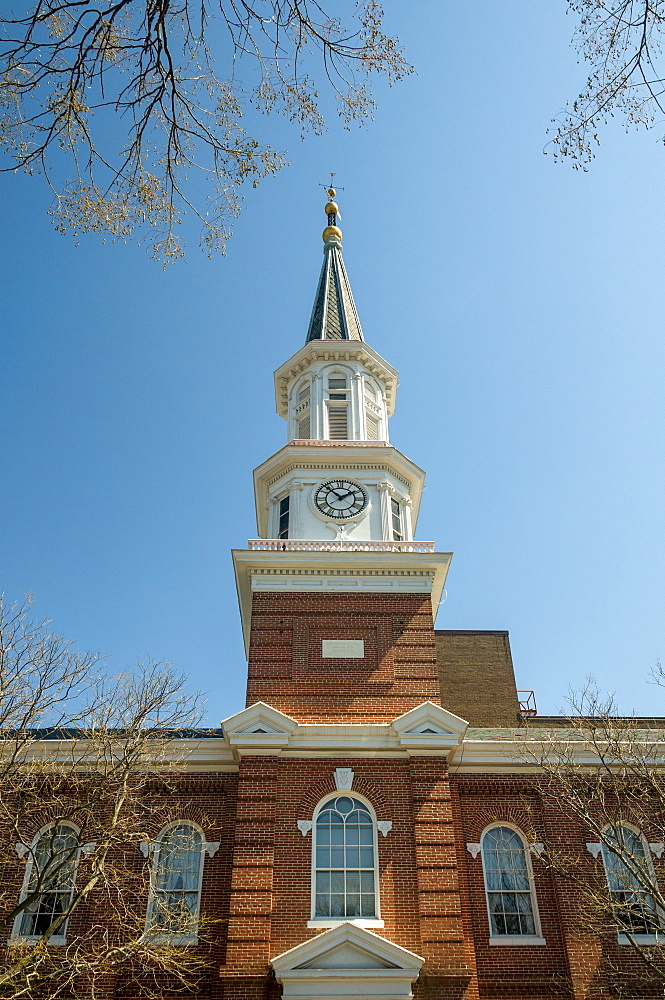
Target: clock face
{"points": [[340, 498]]}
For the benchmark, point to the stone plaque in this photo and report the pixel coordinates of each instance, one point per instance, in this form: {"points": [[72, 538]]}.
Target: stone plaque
{"points": [[349, 648]]}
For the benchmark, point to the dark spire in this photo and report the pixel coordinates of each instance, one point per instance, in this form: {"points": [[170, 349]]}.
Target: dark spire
{"points": [[334, 315]]}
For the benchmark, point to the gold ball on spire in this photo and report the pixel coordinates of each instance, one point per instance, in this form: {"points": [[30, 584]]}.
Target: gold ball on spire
{"points": [[331, 192], [331, 231], [331, 208]]}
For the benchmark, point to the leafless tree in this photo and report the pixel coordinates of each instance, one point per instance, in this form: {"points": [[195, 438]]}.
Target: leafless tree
{"points": [[621, 42], [607, 773], [128, 100], [88, 763]]}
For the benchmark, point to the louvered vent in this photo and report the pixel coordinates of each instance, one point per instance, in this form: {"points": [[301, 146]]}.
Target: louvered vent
{"points": [[372, 428], [303, 427], [338, 423]]}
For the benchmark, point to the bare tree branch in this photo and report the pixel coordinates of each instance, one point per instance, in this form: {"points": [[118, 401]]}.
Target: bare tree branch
{"points": [[125, 100]]}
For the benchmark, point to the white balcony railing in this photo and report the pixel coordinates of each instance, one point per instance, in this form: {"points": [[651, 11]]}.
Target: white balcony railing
{"points": [[326, 443], [334, 545]]}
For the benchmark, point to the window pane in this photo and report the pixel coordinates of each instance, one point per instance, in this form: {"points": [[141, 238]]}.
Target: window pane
{"points": [[54, 860], [348, 824], [507, 883], [176, 880], [629, 877]]}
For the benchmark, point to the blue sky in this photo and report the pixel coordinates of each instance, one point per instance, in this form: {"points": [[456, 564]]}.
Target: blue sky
{"points": [[520, 300]]}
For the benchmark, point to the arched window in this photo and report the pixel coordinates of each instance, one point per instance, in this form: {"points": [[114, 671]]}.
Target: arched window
{"points": [[49, 882], [511, 902], [629, 879], [177, 869], [345, 850]]}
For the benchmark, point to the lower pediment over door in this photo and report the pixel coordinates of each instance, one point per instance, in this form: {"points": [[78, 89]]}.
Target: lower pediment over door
{"points": [[347, 963]]}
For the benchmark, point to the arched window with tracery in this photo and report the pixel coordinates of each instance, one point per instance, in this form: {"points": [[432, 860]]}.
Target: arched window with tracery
{"points": [[511, 899], [345, 873], [49, 883], [630, 880], [175, 891]]}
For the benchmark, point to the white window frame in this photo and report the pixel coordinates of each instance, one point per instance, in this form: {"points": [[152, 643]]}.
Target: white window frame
{"points": [[369, 922], [623, 938], [31, 851], [513, 939], [174, 939]]}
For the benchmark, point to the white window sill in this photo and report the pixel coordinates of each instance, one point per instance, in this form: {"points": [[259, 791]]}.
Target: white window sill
{"points": [[35, 939], [173, 940], [358, 921], [649, 939], [518, 939]]}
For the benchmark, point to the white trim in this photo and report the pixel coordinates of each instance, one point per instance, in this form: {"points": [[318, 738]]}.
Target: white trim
{"points": [[643, 939], [358, 921], [344, 778], [536, 938], [518, 939], [319, 967]]}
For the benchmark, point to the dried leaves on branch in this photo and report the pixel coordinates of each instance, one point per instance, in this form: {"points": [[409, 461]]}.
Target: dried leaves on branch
{"points": [[622, 42], [607, 774], [129, 99], [78, 800]]}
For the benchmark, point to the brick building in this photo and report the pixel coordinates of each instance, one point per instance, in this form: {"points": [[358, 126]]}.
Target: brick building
{"points": [[378, 828]]}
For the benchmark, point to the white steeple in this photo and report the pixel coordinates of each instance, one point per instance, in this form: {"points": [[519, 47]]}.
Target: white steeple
{"points": [[337, 506]]}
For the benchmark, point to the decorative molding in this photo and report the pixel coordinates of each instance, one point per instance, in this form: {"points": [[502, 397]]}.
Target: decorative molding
{"points": [[88, 849], [304, 825], [657, 849], [385, 826], [473, 849], [594, 849], [537, 849], [344, 778], [146, 849], [211, 847], [21, 849]]}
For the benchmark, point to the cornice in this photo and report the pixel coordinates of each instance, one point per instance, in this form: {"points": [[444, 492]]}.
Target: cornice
{"points": [[430, 567]]}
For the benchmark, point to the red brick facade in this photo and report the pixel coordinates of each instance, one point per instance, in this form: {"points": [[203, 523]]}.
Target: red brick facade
{"points": [[257, 886]]}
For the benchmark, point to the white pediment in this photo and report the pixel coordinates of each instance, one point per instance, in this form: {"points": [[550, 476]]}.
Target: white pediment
{"points": [[428, 728], [259, 725], [347, 956], [347, 961]]}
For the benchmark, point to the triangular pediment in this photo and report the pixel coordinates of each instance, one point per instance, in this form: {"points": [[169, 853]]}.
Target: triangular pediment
{"points": [[429, 726], [347, 956], [259, 722], [347, 947]]}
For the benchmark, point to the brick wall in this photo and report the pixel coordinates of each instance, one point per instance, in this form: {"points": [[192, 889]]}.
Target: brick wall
{"points": [[476, 677], [271, 893], [287, 670]]}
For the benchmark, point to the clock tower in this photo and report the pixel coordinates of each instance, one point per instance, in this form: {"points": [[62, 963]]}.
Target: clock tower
{"points": [[343, 710], [337, 509]]}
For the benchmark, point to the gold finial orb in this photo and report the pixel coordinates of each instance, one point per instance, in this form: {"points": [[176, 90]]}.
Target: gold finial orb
{"points": [[331, 208], [331, 192], [332, 231]]}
